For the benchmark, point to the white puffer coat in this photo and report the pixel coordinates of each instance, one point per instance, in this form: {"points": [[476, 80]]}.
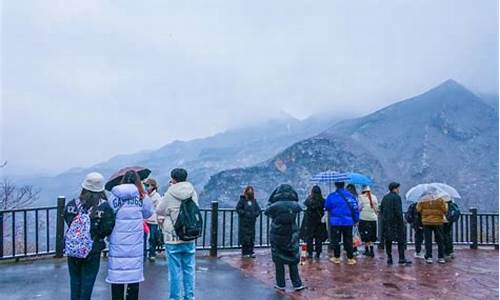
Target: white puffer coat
{"points": [[126, 242]]}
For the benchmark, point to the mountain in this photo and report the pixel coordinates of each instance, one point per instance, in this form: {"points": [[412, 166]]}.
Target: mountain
{"points": [[238, 147], [447, 134]]}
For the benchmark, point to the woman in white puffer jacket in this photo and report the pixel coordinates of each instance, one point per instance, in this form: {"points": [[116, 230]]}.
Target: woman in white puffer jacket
{"points": [[126, 243]]}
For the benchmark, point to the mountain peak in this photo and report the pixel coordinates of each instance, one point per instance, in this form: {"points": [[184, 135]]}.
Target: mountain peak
{"points": [[450, 85]]}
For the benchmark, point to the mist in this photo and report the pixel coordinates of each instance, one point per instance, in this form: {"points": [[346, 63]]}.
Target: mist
{"points": [[83, 81]]}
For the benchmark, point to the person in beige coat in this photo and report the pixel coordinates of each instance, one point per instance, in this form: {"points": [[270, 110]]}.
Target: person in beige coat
{"points": [[181, 254]]}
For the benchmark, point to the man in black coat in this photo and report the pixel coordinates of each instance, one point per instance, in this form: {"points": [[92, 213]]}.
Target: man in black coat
{"points": [[284, 234], [393, 224]]}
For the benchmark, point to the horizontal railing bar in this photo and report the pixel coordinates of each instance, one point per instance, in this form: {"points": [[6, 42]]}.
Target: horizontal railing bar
{"points": [[28, 209]]}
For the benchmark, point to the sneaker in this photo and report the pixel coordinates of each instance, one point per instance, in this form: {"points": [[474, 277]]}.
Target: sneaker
{"points": [[447, 258], [253, 255], [452, 255], [152, 258], [389, 261], [299, 288], [355, 253], [246, 256], [351, 261], [441, 261], [279, 288], [429, 260], [335, 260], [405, 262], [419, 255]]}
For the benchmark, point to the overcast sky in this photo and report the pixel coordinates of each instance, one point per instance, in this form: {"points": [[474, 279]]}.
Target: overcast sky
{"points": [[85, 80]]}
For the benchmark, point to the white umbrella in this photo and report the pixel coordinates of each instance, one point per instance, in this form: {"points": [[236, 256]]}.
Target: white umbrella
{"points": [[448, 189], [426, 192]]}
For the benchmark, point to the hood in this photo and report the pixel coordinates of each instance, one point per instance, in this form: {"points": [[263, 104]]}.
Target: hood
{"points": [[284, 192], [181, 191], [125, 191]]}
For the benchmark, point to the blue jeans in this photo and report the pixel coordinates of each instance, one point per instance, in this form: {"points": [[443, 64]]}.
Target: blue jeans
{"points": [[82, 273], [181, 260], [153, 239]]}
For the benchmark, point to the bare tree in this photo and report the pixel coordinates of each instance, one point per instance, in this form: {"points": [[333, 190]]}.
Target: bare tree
{"points": [[12, 196]]}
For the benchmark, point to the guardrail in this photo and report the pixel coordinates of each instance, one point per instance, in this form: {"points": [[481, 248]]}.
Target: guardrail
{"points": [[31, 232]]}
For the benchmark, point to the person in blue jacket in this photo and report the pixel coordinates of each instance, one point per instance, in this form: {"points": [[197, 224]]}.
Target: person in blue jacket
{"points": [[344, 214]]}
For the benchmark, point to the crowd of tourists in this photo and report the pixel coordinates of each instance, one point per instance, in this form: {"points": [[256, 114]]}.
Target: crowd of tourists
{"points": [[134, 214]]}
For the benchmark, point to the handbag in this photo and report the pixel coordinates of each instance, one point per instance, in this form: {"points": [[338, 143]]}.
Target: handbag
{"points": [[356, 239]]}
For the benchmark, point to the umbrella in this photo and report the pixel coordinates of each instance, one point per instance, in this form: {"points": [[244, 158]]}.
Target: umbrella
{"points": [[349, 177], [116, 178], [448, 189], [426, 192]]}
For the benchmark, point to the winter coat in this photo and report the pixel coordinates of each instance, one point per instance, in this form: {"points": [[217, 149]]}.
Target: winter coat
{"points": [[284, 233], [102, 222], [169, 207], [311, 227], [248, 211], [368, 213], [155, 198], [126, 243], [391, 211], [340, 212], [433, 212]]}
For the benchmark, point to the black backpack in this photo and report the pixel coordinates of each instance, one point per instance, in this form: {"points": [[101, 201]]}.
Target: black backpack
{"points": [[189, 223], [411, 214], [453, 213]]}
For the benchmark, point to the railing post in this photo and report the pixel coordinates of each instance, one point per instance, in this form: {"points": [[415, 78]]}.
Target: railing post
{"points": [[214, 229], [473, 228], [61, 202], [1, 234]]}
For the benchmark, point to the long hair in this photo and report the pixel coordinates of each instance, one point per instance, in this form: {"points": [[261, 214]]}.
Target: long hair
{"points": [[369, 194], [91, 199], [131, 177], [249, 193], [316, 193]]}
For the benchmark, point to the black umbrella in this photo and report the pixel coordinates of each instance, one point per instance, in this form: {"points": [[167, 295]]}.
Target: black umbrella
{"points": [[117, 177]]}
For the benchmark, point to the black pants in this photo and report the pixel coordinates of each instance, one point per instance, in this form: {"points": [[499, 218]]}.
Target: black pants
{"points": [[82, 273], [343, 233], [118, 291], [419, 239], [318, 245], [448, 238], [401, 249], [438, 236], [294, 275], [247, 249]]}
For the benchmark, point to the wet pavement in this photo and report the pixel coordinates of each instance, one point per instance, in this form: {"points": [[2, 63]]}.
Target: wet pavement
{"points": [[472, 275], [49, 279]]}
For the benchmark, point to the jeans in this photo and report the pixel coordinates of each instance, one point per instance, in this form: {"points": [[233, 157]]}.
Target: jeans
{"points": [[247, 249], [153, 239], [294, 275], [401, 249], [317, 246], [117, 291], [419, 239], [438, 236], [82, 273], [181, 262], [344, 233], [448, 238]]}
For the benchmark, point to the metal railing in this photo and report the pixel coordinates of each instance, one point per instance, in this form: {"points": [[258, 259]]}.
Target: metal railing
{"points": [[29, 232]]}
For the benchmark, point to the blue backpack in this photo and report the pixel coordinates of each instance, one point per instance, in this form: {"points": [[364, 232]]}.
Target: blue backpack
{"points": [[77, 240]]}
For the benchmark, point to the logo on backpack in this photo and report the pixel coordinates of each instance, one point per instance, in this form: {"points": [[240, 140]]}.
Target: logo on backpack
{"points": [[189, 223], [77, 240], [453, 213]]}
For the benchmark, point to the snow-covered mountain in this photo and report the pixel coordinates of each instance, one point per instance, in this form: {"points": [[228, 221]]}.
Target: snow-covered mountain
{"points": [[447, 134]]}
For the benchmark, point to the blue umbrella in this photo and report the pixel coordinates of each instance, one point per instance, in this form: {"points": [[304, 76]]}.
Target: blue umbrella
{"points": [[349, 177]]}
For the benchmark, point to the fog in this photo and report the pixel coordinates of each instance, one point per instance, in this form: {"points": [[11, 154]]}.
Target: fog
{"points": [[85, 80]]}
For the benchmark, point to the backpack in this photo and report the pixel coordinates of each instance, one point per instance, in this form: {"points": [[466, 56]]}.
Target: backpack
{"points": [[453, 213], [411, 214], [77, 240], [189, 223]]}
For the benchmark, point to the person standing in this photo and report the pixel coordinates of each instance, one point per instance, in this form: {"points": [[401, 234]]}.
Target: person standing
{"points": [[93, 202], [344, 214], [151, 187], [180, 253], [415, 220], [312, 230], [368, 219], [283, 210], [125, 263], [393, 224], [433, 217], [452, 216], [248, 210]]}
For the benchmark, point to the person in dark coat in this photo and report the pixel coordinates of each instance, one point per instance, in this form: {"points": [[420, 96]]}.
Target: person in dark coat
{"points": [[83, 271], [393, 224], [248, 210], [284, 234], [312, 231]]}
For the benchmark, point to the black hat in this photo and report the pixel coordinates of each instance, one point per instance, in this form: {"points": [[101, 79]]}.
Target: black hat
{"points": [[179, 174], [393, 185]]}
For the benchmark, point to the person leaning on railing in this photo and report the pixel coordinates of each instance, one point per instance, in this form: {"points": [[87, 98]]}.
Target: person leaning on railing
{"points": [[92, 199]]}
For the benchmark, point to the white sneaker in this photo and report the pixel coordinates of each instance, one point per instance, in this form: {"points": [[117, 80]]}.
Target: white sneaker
{"points": [[419, 255], [429, 260], [441, 261]]}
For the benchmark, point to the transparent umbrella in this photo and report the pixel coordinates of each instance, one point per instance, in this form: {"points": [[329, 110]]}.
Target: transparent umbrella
{"points": [[427, 192]]}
